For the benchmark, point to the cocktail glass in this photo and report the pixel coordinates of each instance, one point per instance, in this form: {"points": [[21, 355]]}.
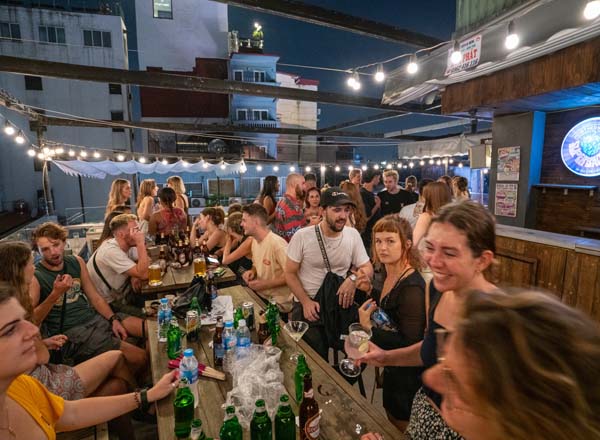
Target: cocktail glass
{"points": [[356, 346], [296, 330]]}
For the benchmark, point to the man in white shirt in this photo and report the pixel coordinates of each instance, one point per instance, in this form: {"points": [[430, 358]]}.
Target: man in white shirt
{"points": [[268, 258], [412, 212], [111, 268], [305, 268]]}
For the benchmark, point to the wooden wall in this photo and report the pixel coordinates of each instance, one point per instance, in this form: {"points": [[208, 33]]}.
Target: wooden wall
{"points": [[572, 276]]}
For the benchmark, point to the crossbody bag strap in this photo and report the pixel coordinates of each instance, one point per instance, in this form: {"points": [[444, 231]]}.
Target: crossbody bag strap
{"points": [[322, 246], [63, 312], [100, 273], [427, 304]]}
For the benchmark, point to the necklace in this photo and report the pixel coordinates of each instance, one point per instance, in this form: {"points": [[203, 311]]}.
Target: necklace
{"points": [[8, 428]]}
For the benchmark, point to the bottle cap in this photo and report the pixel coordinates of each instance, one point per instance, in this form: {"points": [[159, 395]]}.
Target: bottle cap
{"points": [[188, 352], [164, 300], [284, 398], [229, 323], [241, 323], [260, 403]]}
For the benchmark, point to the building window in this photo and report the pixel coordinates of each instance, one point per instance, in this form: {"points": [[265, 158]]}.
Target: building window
{"points": [[163, 9], [52, 34], [96, 39], [242, 114], [259, 76], [238, 75], [33, 83], [10, 31], [260, 115], [221, 187], [117, 116], [115, 89]]}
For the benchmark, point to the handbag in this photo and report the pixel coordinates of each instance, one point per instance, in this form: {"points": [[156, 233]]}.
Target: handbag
{"points": [[196, 289]]}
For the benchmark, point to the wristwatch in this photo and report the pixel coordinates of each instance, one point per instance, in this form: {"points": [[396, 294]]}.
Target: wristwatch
{"points": [[352, 277], [113, 317]]}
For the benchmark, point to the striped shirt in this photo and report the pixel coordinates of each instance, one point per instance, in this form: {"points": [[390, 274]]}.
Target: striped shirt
{"points": [[289, 217]]}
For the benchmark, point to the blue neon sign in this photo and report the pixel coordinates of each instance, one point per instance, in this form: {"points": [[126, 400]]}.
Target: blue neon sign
{"points": [[580, 150]]}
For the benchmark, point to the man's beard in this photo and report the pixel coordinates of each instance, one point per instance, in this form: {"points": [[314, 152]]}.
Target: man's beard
{"points": [[332, 225], [300, 193]]}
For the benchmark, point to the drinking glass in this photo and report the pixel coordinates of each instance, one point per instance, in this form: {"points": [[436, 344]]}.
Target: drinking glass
{"points": [[154, 278], [356, 346], [296, 330]]}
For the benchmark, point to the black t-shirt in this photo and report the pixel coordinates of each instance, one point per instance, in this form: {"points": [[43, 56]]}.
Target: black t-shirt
{"points": [[393, 203]]}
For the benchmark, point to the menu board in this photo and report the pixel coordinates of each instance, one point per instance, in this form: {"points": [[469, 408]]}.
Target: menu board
{"points": [[506, 199], [509, 163]]}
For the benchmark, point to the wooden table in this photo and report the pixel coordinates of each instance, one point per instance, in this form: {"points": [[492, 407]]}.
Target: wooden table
{"points": [[180, 279], [345, 411]]}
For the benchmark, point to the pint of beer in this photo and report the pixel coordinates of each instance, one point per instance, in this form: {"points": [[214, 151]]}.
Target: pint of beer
{"points": [[154, 278], [200, 266]]}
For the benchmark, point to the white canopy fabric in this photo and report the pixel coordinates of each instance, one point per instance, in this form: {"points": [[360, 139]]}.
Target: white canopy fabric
{"points": [[452, 146], [100, 170]]}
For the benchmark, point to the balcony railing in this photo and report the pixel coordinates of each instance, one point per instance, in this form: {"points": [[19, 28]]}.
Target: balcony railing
{"points": [[258, 123], [248, 76]]}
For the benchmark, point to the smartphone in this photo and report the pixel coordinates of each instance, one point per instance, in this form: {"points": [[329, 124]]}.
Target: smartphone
{"points": [[213, 260]]}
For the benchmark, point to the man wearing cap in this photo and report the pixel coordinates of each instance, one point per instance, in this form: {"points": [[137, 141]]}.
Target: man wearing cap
{"points": [[306, 270]]}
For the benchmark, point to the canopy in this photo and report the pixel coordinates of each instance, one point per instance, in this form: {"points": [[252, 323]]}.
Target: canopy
{"points": [[101, 169], [451, 146]]}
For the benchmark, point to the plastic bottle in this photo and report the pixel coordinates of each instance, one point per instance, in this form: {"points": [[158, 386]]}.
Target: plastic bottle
{"points": [[243, 343], [188, 368], [229, 343], [231, 429], [164, 319], [285, 420]]}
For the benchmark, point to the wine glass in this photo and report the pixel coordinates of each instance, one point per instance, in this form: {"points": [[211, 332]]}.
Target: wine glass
{"points": [[356, 346], [296, 330]]}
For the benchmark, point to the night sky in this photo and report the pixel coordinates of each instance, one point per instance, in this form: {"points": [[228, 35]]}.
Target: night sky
{"points": [[297, 42]]}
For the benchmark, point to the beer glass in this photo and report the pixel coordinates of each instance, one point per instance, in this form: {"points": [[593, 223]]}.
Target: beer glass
{"points": [[154, 278], [200, 266], [356, 346]]}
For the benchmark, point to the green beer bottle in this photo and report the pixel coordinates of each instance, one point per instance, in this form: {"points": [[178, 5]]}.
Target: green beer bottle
{"points": [[301, 371], [174, 340], [184, 410], [197, 431], [231, 429], [260, 426], [239, 314], [285, 420]]}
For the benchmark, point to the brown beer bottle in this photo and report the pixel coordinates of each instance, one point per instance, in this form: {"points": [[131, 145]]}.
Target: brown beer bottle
{"points": [[218, 348], [263, 330], [309, 412]]}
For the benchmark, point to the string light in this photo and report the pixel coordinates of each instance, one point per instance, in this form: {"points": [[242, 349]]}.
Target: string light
{"points": [[445, 161], [258, 167], [399, 165], [364, 167], [460, 165], [456, 55], [389, 166], [31, 152], [59, 150], [337, 169], [421, 162], [350, 167], [431, 161], [96, 155], [411, 164], [165, 162], [46, 150], [375, 167], [350, 81], [41, 156], [20, 138], [439, 162], [275, 168], [204, 164], [380, 74], [451, 161], [323, 168], [485, 171], [84, 154], [142, 159], [412, 67], [512, 38], [120, 157], [8, 128], [307, 169], [292, 169], [356, 85], [185, 163], [243, 167], [592, 10], [71, 153]]}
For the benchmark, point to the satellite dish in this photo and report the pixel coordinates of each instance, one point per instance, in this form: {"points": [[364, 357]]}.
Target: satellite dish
{"points": [[217, 146]]}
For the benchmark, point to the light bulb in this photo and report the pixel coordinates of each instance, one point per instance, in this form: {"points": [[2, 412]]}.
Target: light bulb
{"points": [[142, 159], [96, 154], [445, 161], [292, 169], [337, 169], [485, 171], [323, 168], [431, 161], [380, 74], [421, 162], [364, 167], [350, 167], [46, 150], [243, 168], [275, 168], [456, 56], [83, 154], [512, 38], [460, 165], [165, 162], [41, 156], [405, 166], [439, 162], [9, 129], [31, 152], [185, 163], [389, 166], [20, 138], [356, 82], [350, 81], [307, 169], [60, 150], [411, 164], [592, 10], [71, 153], [375, 167], [399, 165], [412, 67], [120, 157], [450, 160], [258, 167], [204, 164]]}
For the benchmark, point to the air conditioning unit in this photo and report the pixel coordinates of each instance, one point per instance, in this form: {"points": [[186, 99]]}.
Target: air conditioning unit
{"points": [[197, 202]]}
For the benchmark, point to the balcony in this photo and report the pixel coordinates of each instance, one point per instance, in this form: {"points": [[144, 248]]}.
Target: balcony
{"points": [[256, 123], [251, 76]]}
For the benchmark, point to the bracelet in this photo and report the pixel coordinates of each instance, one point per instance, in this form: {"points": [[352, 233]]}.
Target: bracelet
{"points": [[137, 398], [144, 397], [113, 317]]}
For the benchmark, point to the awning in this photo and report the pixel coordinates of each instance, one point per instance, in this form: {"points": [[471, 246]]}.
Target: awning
{"points": [[452, 146], [101, 169]]}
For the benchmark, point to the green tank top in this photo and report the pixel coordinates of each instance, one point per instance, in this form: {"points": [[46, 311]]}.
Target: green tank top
{"points": [[78, 309]]}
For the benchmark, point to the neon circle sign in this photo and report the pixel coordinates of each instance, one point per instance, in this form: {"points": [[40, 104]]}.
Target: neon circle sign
{"points": [[580, 150]]}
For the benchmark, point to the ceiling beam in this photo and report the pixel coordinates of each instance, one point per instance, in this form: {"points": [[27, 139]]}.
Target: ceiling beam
{"points": [[190, 83], [334, 19]]}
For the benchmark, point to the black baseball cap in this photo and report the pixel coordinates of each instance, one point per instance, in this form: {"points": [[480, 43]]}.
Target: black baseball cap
{"points": [[334, 196]]}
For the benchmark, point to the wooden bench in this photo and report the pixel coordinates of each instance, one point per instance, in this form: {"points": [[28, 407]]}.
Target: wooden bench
{"points": [[593, 232], [98, 432]]}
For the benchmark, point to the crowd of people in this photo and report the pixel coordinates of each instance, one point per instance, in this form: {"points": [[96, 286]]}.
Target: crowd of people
{"points": [[461, 358]]}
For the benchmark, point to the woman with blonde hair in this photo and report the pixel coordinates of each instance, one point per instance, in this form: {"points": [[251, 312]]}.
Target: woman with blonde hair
{"points": [[436, 195], [181, 202], [120, 192], [522, 366], [358, 219], [145, 203], [213, 236], [398, 290]]}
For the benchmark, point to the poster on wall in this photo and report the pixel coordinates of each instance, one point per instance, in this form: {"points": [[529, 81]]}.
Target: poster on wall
{"points": [[509, 163], [470, 50], [506, 199]]}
